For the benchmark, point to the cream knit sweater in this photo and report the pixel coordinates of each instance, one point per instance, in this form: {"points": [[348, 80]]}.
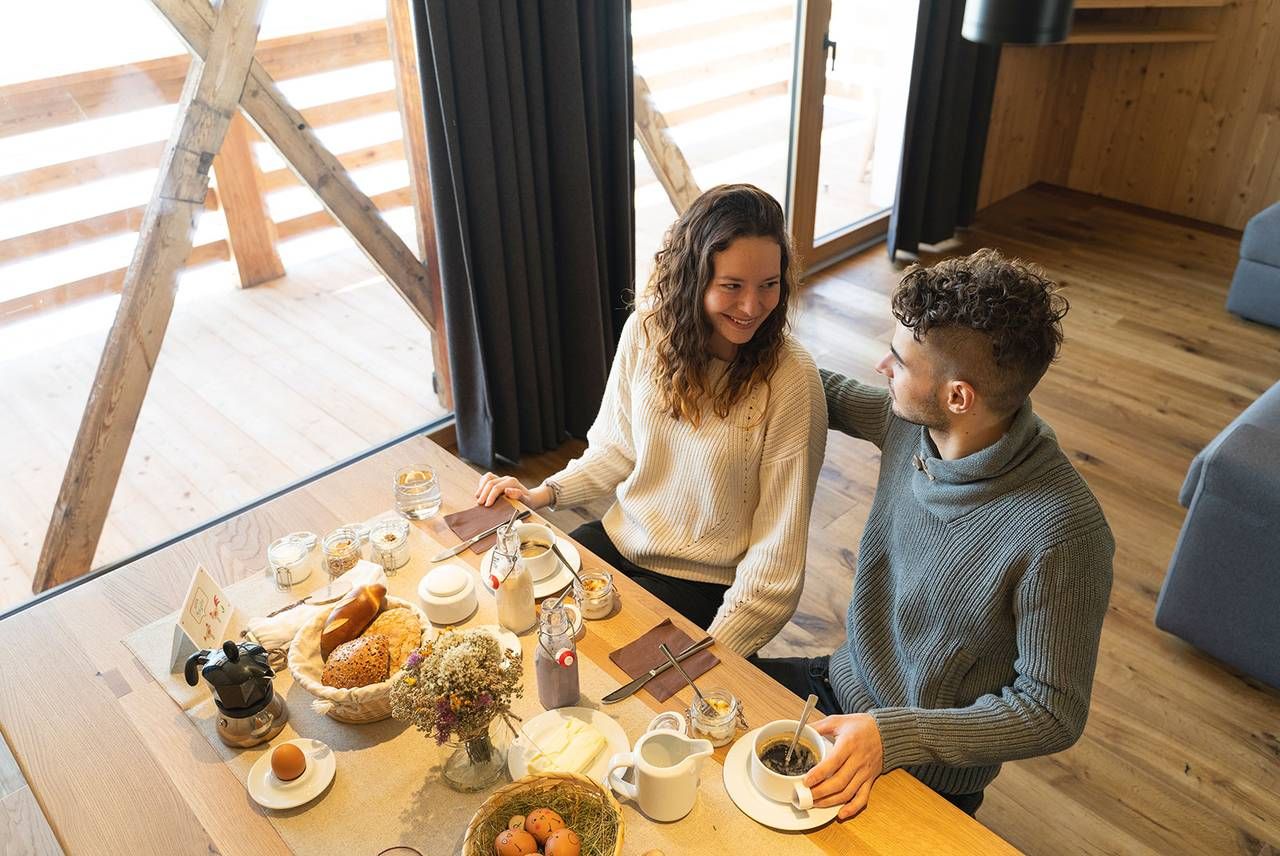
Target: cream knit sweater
{"points": [[727, 502]]}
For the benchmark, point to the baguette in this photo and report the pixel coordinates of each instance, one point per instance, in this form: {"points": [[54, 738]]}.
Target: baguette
{"points": [[351, 616]]}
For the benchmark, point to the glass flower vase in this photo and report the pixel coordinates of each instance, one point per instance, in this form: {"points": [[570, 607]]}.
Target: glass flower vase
{"points": [[475, 763]]}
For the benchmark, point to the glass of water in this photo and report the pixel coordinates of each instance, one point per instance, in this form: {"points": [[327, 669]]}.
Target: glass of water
{"points": [[417, 492]]}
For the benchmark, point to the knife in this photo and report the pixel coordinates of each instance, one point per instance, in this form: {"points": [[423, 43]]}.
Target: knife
{"points": [[625, 691], [475, 539]]}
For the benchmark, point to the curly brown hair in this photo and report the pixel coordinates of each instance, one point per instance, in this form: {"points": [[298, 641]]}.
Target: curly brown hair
{"points": [[675, 324], [1013, 308]]}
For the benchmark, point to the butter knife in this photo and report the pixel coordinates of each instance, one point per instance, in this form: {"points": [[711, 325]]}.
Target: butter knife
{"points": [[628, 690], [475, 539]]}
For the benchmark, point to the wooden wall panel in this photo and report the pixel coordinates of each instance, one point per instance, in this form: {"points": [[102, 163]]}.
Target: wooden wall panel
{"points": [[1192, 129]]}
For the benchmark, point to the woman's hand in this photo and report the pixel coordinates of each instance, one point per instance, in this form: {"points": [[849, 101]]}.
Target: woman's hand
{"points": [[492, 487], [851, 767]]}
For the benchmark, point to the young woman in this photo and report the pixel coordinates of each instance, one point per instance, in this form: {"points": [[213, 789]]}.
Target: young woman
{"points": [[711, 432]]}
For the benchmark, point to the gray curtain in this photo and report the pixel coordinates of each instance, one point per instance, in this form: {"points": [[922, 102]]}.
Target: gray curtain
{"points": [[953, 82], [529, 114]]}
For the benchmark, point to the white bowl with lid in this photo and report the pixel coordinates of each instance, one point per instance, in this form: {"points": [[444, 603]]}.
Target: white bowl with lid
{"points": [[448, 594]]}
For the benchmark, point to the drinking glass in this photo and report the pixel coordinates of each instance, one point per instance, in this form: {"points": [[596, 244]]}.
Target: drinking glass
{"points": [[417, 492]]}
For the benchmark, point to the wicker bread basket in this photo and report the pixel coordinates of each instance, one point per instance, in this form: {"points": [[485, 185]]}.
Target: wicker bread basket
{"points": [[572, 795], [356, 706]]}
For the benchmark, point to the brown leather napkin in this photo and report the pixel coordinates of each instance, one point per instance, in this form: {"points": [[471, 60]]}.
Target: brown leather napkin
{"points": [[642, 655], [473, 521]]}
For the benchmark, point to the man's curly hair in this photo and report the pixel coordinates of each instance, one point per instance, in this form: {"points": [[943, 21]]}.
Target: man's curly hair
{"points": [[1014, 307]]}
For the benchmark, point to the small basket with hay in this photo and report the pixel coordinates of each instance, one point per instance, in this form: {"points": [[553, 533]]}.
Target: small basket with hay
{"points": [[587, 808]]}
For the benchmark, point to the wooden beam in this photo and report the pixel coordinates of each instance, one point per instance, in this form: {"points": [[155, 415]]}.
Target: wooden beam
{"points": [[60, 237], [112, 281], [38, 104], [668, 162], [285, 127], [98, 284], [240, 189], [404, 55], [208, 102]]}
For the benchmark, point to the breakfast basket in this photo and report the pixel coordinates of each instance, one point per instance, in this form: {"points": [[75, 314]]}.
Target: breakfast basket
{"points": [[355, 706], [586, 807]]}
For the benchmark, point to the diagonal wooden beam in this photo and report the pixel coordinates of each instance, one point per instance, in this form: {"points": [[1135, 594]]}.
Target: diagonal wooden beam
{"points": [[209, 98], [662, 152], [289, 132]]}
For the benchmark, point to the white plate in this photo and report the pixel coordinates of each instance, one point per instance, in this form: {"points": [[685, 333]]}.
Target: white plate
{"points": [[615, 740], [552, 584], [269, 792], [758, 807]]}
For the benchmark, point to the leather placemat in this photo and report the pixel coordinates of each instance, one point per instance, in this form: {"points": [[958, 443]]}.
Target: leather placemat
{"points": [[472, 521], [642, 655]]}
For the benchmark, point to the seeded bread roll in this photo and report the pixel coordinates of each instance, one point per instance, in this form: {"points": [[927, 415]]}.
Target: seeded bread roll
{"points": [[403, 630], [358, 663]]}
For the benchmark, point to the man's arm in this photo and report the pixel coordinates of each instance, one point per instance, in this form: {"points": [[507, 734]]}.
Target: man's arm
{"points": [[855, 408], [1059, 608]]}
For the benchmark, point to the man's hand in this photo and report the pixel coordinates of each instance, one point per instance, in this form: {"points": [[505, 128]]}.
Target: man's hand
{"points": [[851, 767]]}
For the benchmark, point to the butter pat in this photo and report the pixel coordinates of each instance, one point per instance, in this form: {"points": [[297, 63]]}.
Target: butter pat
{"points": [[570, 747]]}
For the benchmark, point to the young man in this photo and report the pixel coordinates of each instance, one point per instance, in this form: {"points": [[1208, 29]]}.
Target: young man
{"points": [[985, 565]]}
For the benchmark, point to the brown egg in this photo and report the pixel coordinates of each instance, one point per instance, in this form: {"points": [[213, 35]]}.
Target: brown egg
{"points": [[514, 842], [542, 822], [288, 762], [564, 842]]}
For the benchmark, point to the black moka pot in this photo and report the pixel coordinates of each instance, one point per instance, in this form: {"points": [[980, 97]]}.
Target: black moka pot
{"points": [[249, 709]]}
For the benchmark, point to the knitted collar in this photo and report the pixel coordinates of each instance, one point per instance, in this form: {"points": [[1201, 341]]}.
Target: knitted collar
{"points": [[951, 489]]}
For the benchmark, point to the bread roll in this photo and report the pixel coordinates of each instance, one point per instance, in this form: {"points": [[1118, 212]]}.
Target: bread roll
{"points": [[403, 630], [358, 663], [351, 616]]}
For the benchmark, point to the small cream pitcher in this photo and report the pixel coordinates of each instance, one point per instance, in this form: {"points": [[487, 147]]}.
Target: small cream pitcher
{"points": [[666, 767]]}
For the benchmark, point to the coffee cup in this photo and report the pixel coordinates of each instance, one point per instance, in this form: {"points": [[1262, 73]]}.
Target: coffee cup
{"points": [[535, 550], [774, 785]]}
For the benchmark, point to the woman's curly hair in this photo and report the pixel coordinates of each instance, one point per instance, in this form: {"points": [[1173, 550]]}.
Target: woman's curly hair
{"points": [[1013, 304], [674, 321]]}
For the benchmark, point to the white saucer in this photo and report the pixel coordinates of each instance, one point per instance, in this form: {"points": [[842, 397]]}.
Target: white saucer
{"points": [[552, 584], [758, 807], [614, 737], [269, 792]]}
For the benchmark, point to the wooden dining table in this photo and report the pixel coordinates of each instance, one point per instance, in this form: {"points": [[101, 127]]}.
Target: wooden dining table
{"points": [[116, 767]]}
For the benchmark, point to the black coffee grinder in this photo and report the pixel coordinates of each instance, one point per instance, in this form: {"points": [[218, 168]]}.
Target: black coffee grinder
{"points": [[249, 709]]}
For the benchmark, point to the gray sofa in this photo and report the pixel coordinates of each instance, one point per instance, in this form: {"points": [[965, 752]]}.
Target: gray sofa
{"points": [[1222, 592], [1255, 289]]}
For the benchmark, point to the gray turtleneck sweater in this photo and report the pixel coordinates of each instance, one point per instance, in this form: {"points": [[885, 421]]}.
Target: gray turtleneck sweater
{"points": [[979, 596]]}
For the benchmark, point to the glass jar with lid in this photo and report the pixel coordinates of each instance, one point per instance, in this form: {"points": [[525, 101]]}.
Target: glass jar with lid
{"points": [[719, 720], [389, 543], [594, 592], [341, 551], [289, 558]]}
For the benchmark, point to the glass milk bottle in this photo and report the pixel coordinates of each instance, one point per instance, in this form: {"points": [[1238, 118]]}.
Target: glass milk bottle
{"points": [[513, 584], [556, 658]]}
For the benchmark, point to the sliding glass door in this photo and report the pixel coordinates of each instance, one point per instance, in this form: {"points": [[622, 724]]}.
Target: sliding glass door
{"points": [[804, 99], [848, 111]]}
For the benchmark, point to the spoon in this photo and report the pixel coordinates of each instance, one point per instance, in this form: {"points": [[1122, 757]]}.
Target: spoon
{"points": [[706, 705], [804, 717], [565, 562]]}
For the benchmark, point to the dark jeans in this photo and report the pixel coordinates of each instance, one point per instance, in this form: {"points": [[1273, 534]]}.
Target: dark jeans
{"points": [[696, 601], [804, 675]]}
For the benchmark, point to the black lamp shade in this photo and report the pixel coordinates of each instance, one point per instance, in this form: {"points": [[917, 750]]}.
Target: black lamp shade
{"points": [[1023, 22]]}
